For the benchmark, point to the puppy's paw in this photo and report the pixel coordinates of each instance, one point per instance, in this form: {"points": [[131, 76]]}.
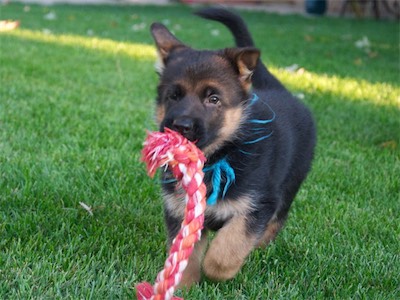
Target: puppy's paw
{"points": [[220, 268]]}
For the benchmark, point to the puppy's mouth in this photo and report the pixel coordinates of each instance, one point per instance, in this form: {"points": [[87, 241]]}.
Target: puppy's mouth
{"points": [[188, 128], [200, 141]]}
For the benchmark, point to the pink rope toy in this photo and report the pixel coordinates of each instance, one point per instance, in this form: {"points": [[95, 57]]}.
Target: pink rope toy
{"points": [[186, 162]]}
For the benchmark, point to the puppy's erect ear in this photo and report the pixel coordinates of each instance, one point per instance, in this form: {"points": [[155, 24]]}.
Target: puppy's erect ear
{"points": [[245, 59], [165, 40]]}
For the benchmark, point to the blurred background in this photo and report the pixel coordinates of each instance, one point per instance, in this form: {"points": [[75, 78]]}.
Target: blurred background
{"points": [[379, 9]]}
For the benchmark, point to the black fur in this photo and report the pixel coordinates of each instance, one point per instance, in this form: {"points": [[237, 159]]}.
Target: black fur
{"points": [[278, 165], [268, 172]]}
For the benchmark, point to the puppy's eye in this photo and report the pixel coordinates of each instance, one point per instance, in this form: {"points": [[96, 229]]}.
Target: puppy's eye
{"points": [[213, 99], [173, 96]]}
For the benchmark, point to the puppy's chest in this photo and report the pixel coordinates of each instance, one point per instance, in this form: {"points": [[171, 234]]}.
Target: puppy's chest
{"points": [[215, 215]]}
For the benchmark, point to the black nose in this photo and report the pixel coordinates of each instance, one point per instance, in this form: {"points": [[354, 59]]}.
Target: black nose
{"points": [[183, 125]]}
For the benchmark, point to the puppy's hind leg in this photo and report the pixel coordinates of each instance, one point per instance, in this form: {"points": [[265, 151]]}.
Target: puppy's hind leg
{"points": [[273, 227]]}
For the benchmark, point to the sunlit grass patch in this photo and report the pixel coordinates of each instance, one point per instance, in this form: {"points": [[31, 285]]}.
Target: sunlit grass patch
{"points": [[138, 51], [381, 94]]}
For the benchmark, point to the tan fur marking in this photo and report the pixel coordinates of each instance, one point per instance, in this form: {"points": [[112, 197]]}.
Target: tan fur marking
{"points": [[199, 86], [270, 233], [159, 64], [160, 114], [225, 209], [175, 203], [245, 75], [233, 120], [228, 250], [192, 273]]}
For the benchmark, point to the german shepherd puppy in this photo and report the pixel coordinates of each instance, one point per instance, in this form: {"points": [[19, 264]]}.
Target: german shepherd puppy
{"points": [[258, 140]]}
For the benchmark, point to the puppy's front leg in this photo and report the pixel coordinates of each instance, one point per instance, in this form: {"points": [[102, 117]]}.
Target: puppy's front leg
{"points": [[229, 250]]}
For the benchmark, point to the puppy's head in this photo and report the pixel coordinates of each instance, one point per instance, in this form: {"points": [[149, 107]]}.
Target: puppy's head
{"points": [[201, 93]]}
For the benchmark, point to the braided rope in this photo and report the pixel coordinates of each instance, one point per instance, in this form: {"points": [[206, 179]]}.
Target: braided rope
{"points": [[186, 162]]}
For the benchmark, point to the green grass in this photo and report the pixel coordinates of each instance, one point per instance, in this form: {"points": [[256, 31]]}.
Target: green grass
{"points": [[76, 95]]}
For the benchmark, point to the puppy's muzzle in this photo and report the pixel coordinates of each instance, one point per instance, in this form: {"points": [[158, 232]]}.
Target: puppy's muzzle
{"points": [[183, 125]]}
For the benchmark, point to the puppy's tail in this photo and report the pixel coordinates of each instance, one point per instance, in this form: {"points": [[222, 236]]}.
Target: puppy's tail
{"points": [[234, 22], [261, 77]]}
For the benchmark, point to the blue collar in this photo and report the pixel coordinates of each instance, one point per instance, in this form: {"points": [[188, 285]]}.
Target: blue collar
{"points": [[221, 166]]}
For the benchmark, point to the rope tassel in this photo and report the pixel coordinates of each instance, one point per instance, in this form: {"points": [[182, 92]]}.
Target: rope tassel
{"points": [[186, 161]]}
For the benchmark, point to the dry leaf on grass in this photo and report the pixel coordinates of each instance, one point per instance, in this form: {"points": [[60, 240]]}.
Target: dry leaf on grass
{"points": [[87, 208]]}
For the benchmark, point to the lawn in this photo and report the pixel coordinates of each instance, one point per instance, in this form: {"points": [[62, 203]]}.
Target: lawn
{"points": [[76, 96]]}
